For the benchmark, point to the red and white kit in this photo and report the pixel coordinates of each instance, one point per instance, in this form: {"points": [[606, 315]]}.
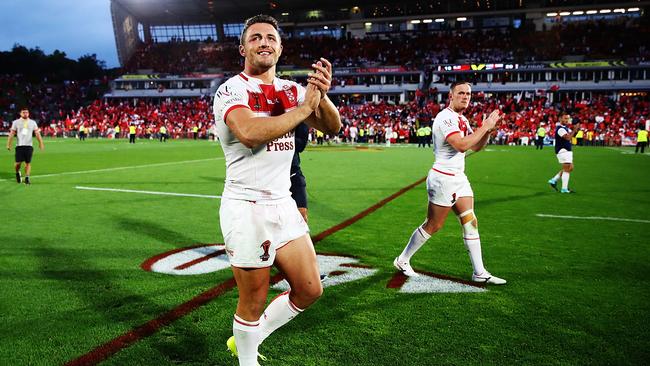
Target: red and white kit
{"points": [[446, 181], [257, 213]]}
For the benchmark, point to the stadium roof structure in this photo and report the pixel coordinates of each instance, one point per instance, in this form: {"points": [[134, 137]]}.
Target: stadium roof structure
{"points": [[203, 11], [133, 20]]}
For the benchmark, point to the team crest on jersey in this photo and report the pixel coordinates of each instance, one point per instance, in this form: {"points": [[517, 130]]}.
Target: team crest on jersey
{"points": [[257, 105], [289, 93]]}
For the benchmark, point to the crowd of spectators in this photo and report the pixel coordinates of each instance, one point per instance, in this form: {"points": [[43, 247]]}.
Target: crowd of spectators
{"points": [[47, 101], [620, 40], [604, 120]]}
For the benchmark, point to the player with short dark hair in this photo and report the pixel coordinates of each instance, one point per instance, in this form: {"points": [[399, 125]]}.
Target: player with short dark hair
{"points": [[447, 185], [563, 151], [256, 114], [23, 128]]}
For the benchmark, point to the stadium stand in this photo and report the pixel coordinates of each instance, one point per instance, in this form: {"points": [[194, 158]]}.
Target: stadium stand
{"points": [[393, 66]]}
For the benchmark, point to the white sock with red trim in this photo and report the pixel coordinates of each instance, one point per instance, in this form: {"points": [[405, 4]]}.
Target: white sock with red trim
{"points": [[247, 339], [279, 312], [417, 240]]}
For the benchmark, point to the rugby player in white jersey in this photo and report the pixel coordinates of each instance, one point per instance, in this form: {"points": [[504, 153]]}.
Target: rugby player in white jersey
{"points": [[447, 184], [256, 114]]}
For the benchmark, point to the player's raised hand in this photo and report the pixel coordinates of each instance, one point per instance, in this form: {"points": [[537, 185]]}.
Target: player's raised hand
{"points": [[312, 97], [322, 75], [492, 120]]}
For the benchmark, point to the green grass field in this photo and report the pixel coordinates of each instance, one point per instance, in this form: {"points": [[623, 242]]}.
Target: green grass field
{"points": [[577, 293]]}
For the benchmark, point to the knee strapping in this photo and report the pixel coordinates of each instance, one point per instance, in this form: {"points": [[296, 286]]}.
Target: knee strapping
{"points": [[469, 222]]}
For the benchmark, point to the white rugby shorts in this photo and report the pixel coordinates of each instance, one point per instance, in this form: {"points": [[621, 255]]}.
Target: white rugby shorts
{"points": [[565, 157], [254, 231], [445, 189]]}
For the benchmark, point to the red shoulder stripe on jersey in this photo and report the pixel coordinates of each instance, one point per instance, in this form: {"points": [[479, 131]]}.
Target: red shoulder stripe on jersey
{"points": [[232, 108], [451, 133], [241, 74]]}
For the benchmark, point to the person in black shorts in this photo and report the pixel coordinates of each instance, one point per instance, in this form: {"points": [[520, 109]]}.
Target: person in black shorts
{"points": [[298, 182], [24, 128]]}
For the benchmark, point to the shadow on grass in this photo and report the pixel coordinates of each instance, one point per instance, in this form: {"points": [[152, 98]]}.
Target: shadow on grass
{"points": [[155, 231], [213, 179], [107, 298], [507, 199]]}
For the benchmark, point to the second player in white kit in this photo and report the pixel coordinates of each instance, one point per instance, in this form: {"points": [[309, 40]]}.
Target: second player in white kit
{"points": [[447, 185]]}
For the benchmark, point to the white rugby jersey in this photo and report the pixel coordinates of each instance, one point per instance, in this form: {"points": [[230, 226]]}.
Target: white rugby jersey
{"points": [[261, 173], [449, 160]]}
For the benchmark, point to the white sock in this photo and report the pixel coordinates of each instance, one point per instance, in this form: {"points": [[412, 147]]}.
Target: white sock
{"points": [[474, 249], [247, 339], [565, 180], [279, 312], [417, 240], [556, 177]]}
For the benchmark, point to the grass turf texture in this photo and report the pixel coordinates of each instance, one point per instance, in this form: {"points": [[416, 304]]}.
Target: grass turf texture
{"points": [[577, 293]]}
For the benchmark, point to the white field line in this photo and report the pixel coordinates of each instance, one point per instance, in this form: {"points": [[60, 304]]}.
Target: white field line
{"points": [[592, 218], [146, 192], [119, 168]]}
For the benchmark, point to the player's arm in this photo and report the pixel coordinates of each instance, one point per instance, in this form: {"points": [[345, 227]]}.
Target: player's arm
{"points": [[569, 135], [481, 143], [253, 131], [326, 117], [40, 139], [12, 132], [480, 136]]}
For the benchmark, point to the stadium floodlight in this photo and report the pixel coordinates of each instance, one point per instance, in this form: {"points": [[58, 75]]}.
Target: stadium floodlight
{"points": [[579, 12], [633, 9], [427, 21], [367, 24], [285, 14], [415, 21], [619, 10], [326, 27], [439, 20], [590, 12], [565, 13], [461, 19], [605, 11], [554, 14]]}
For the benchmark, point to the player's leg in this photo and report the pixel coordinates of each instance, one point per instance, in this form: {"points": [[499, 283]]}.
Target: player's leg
{"points": [[17, 169], [297, 261], [298, 191], [553, 181], [253, 285], [28, 163], [464, 209], [28, 170], [567, 168], [436, 216], [441, 197]]}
